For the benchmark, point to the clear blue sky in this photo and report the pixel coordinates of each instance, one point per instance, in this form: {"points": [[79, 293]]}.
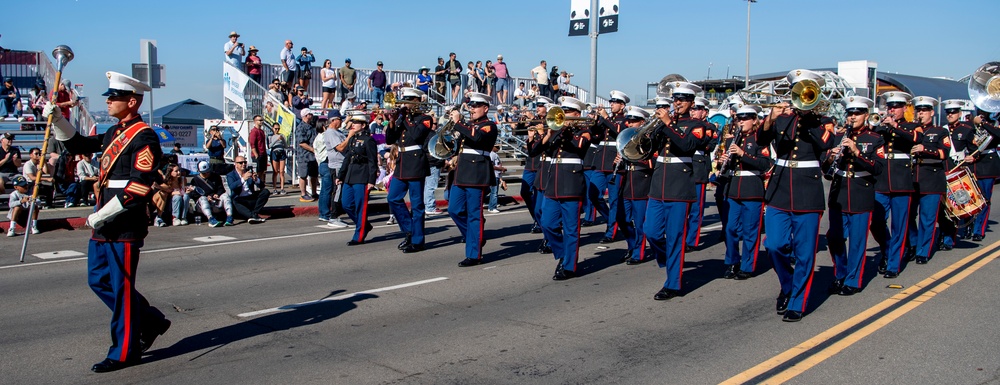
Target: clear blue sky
{"points": [[655, 37]]}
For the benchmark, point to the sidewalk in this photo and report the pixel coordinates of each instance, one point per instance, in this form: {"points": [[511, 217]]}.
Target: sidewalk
{"points": [[282, 206]]}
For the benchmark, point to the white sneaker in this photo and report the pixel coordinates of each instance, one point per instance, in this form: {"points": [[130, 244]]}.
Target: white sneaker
{"points": [[336, 223], [34, 230], [184, 222], [177, 222], [391, 221], [160, 223], [11, 233], [494, 211]]}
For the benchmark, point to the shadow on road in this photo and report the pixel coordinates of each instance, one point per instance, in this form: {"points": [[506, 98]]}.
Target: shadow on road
{"points": [[288, 319]]}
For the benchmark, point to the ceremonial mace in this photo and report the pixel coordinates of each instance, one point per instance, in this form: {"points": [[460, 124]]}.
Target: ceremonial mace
{"points": [[63, 54]]}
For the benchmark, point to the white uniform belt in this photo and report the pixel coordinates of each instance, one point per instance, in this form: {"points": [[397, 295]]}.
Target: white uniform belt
{"points": [[797, 163], [411, 148], [747, 173], [897, 155], [990, 151], [673, 159], [699, 153], [608, 143], [567, 161], [117, 183], [474, 151], [854, 174]]}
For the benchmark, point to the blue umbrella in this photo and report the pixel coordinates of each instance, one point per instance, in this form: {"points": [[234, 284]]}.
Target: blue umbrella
{"points": [[165, 136]]}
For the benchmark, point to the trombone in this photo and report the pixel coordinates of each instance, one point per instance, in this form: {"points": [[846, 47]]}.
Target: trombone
{"points": [[556, 119], [390, 102]]}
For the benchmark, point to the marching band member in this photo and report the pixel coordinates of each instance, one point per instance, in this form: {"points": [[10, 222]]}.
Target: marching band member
{"points": [[409, 133], [566, 190], [721, 181], [928, 175], [962, 135], [746, 163], [633, 195], [358, 174], [701, 163], [599, 165], [131, 152], [529, 190], [894, 186], [852, 196], [543, 153], [671, 191], [473, 175], [794, 198], [986, 166]]}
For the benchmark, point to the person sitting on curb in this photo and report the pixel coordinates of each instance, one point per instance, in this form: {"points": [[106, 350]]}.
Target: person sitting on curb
{"points": [[211, 191], [19, 206], [247, 191]]}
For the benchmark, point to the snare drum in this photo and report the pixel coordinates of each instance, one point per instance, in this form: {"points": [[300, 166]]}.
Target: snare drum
{"points": [[963, 200]]}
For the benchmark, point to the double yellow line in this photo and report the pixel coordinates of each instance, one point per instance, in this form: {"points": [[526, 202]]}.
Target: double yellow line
{"points": [[810, 353]]}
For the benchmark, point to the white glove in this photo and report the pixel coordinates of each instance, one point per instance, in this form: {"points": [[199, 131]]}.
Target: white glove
{"points": [[105, 214], [63, 130]]}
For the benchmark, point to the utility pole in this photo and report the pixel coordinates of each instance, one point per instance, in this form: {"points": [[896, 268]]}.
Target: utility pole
{"points": [[746, 81]]}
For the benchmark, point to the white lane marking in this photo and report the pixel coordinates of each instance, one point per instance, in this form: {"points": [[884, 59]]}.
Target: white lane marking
{"points": [[59, 254], [42, 263], [339, 297], [709, 228], [213, 238]]}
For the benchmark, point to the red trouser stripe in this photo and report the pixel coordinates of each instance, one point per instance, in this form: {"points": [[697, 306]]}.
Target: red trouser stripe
{"points": [[127, 307]]}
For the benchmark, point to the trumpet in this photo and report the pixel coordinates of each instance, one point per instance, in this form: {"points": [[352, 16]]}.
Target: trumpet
{"points": [[556, 119], [390, 102], [875, 118]]}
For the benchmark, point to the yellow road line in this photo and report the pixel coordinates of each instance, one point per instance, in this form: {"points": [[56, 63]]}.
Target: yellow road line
{"points": [[905, 296]]}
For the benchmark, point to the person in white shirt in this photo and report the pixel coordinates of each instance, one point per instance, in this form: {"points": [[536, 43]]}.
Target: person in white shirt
{"points": [[18, 206], [86, 174], [348, 103], [541, 75], [234, 50], [520, 96]]}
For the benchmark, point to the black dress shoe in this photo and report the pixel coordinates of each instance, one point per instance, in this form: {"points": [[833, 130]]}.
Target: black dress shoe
{"points": [[109, 365], [355, 243], [847, 290], [835, 287], [743, 275], [890, 274], [413, 248], [469, 262], [945, 247], [588, 223], [406, 242], [146, 338], [368, 228], [626, 256], [911, 253], [883, 265], [665, 294], [977, 238], [782, 304], [922, 260], [536, 229], [544, 248], [562, 275], [792, 316], [730, 272], [607, 240]]}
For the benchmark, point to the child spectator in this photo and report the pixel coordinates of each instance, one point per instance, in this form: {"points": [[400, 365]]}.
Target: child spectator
{"points": [[19, 207]]}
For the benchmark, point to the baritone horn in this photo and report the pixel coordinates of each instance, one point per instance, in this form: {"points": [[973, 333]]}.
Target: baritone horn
{"points": [[984, 87], [636, 144], [806, 95]]}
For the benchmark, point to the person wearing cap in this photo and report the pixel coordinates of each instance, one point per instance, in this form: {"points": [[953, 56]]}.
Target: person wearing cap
{"points": [[303, 65], [10, 160], [855, 164], [357, 175], [701, 161], [536, 168], [503, 79], [253, 64], [336, 144], [634, 194], [348, 104], [131, 150], [929, 174], [473, 174], [18, 206], [962, 145], [210, 192], [986, 167], [409, 132], [424, 80], [725, 135], [377, 81], [795, 197], [300, 100], [10, 97], [234, 50], [894, 186], [601, 166], [347, 76], [305, 156], [672, 189], [566, 189]]}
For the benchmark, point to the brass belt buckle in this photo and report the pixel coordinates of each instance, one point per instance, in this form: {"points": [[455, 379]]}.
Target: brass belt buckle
{"points": [[793, 163]]}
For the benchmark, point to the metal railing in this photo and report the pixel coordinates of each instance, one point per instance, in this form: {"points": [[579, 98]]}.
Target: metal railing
{"points": [[27, 67]]}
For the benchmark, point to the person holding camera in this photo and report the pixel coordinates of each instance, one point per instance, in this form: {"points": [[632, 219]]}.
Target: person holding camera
{"points": [[304, 69], [215, 146], [234, 50], [247, 191]]}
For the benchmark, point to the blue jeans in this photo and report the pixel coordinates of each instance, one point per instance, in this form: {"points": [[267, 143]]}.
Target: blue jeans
{"points": [[378, 94], [326, 189], [493, 197], [431, 184], [178, 204], [12, 108]]}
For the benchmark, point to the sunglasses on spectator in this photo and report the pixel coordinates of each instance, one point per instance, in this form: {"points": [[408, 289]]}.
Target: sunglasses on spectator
{"points": [[243, 162]]}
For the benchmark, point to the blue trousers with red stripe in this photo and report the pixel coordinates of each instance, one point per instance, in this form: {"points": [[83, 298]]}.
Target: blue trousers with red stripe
{"points": [[631, 226], [983, 218], [694, 216], [791, 242], [892, 209], [743, 228], [465, 206], [848, 260], [529, 193], [665, 227], [566, 244], [597, 182], [354, 197], [410, 221], [927, 214], [111, 275]]}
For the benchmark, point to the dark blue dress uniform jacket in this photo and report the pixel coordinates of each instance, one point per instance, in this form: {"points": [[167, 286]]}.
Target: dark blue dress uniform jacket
{"points": [[360, 160], [897, 173], [988, 163], [412, 164], [962, 135], [540, 151], [602, 157], [566, 179], [852, 191], [675, 181], [796, 139], [534, 161], [929, 175], [756, 160], [476, 169], [137, 164], [638, 177], [701, 161]]}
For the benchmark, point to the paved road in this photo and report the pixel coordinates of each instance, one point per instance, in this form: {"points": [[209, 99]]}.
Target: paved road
{"points": [[381, 316]]}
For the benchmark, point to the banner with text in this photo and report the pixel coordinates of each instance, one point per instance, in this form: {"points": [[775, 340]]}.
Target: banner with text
{"points": [[185, 135], [579, 17], [233, 83]]}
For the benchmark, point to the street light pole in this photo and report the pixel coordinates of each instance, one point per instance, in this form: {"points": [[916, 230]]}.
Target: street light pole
{"points": [[746, 80]]}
